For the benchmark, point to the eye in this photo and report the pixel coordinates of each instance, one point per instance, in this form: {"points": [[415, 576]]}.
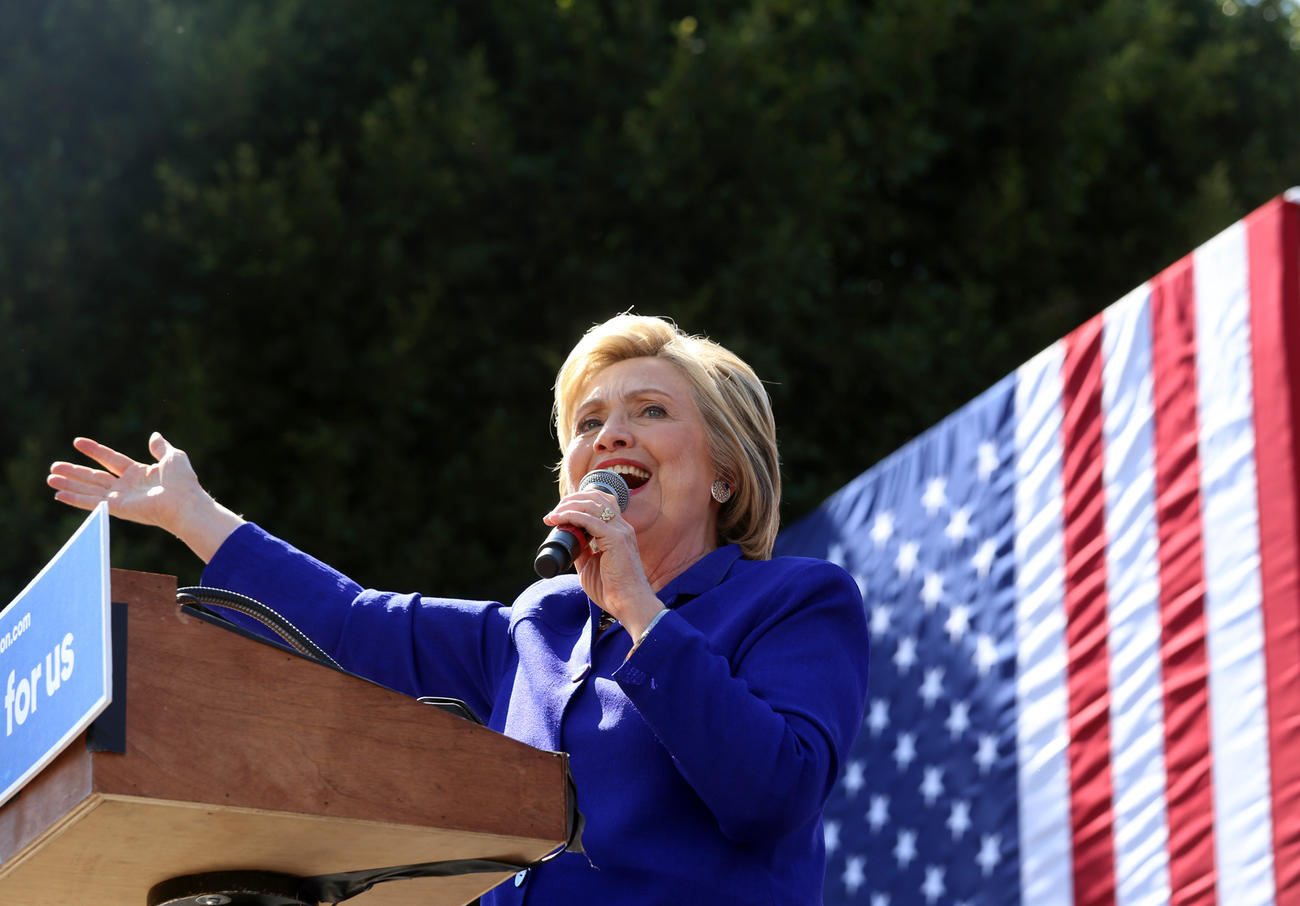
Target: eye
{"points": [[654, 411], [588, 424]]}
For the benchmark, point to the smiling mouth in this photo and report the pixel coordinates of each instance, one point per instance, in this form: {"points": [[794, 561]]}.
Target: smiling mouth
{"points": [[635, 476]]}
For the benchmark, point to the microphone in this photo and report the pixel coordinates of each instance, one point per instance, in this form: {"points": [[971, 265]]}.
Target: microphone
{"points": [[563, 543]]}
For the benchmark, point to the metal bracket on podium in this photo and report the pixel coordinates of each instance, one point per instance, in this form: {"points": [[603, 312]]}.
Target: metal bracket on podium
{"points": [[232, 888]]}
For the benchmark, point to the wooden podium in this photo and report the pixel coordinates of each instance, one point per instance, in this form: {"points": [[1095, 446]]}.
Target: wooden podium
{"points": [[241, 756]]}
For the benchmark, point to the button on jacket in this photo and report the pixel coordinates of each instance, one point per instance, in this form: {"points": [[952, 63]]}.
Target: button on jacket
{"points": [[702, 761]]}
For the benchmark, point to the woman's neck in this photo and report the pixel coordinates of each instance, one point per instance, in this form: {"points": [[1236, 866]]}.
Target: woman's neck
{"points": [[662, 569]]}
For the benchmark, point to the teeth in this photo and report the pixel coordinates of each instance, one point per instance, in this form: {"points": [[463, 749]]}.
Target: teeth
{"points": [[634, 471]]}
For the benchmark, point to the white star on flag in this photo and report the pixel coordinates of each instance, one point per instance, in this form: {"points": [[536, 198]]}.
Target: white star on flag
{"points": [[983, 559], [932, 686], [878, 716], [909, 554], [880, 615], [958, 528], [883, 529], [959, 819], [990, 853], [905, 750], [836, 556], [958, 720], [831, 835], [957, 623], [854, 779], [878, 813], [905, 657], [932, 590], [905, 849], [933, 887], [854, 876], [935, 495], [988, 460], [986, 654], [932, 785]]}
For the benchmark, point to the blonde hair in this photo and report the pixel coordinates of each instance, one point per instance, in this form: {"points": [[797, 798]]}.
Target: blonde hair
{"points": [[735, 406]]}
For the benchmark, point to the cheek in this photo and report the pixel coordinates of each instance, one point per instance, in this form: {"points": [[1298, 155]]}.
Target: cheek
{"points": [[573, 467]]}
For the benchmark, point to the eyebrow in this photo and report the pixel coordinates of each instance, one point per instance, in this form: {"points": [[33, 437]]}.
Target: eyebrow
{"points": [[638, 393]]}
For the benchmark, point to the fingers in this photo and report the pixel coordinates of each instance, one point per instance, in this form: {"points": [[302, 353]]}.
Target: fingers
{"points": [[159, 446], [79, 486], [110, 459], [589, 514], [590, 502], [72, 476], [80, 501], [83, 486]]}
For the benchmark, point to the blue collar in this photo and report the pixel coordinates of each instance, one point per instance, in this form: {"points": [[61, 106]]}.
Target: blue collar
{"points": [[702, 575]]}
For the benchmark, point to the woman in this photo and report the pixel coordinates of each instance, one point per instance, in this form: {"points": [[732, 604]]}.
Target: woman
{"points": [[705, 692]]}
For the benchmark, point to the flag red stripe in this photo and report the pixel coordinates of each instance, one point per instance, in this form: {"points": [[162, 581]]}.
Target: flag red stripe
{"points": [[1088, 671], [1273, 237], [1183, 655]]}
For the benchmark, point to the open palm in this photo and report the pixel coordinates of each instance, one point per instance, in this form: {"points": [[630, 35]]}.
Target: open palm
{"points": [[149, 493]]}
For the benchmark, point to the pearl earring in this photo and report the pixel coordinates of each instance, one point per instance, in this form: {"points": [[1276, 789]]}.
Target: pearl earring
{"points": [[721, 491]]}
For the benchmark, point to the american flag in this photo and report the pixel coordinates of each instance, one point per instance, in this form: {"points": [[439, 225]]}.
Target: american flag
{"points": [[1083, 589]]}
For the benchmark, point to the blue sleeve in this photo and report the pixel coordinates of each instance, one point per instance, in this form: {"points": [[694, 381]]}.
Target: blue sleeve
{"points": [[413, 644], [759, 732]]}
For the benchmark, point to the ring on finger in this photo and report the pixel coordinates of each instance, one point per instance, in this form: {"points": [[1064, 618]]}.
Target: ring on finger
{"points": [[607, 515]]}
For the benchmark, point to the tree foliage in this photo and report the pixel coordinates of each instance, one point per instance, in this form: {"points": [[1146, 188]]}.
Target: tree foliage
{"points": [[337, 250]]}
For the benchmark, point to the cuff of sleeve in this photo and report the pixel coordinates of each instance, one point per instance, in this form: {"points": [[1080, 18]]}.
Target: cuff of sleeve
{"points": [[652, 651], [241, 545]]}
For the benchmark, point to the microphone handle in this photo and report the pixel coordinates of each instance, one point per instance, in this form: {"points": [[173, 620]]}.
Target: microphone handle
{"points": [[558, 551]]}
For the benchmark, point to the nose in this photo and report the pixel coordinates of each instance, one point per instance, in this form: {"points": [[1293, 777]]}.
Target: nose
{"points": [[614, 434]]}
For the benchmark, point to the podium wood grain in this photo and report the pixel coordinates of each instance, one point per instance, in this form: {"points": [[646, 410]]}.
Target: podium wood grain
{"points": [[243, 756]]}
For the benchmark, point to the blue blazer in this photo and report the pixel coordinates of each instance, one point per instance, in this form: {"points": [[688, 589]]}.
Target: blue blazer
{"points": [[702, 761]]}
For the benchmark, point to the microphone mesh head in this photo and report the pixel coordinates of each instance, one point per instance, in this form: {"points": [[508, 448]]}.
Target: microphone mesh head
{"points": [[610, 482]]}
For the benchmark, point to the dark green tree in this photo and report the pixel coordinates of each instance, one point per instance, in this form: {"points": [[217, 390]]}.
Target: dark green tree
{"points": [[337, 250]]}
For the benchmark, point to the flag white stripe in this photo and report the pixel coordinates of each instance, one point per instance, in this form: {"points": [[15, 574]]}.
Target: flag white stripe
{"points": [[1042, 703], [1235, 634], [1133, 605]]}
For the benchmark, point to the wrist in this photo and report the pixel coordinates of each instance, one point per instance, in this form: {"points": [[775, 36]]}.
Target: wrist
{"points": [[637, 614], [203, 525], [643, 634]]}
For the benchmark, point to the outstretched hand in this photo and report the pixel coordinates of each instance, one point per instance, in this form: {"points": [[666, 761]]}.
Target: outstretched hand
{"points": [[165, 493], [137, 492]]}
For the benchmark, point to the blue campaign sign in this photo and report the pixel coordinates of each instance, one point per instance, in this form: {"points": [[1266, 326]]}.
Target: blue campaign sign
{"points": [[55, 655]]}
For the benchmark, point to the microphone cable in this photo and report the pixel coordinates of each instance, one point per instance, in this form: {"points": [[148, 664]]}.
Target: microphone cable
{"points": [[199, 599]]}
